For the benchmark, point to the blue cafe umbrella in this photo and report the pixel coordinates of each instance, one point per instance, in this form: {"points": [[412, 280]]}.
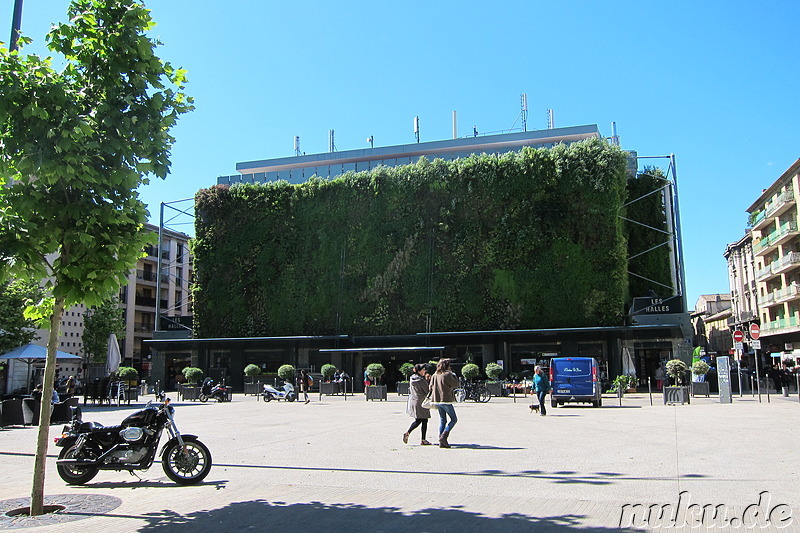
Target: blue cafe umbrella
{"points": [[31, 353]]}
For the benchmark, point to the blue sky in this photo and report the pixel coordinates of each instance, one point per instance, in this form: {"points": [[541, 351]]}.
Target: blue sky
{"points": [[716, 83]]}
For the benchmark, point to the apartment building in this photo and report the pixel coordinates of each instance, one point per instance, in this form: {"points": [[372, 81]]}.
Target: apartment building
{"points": [[143, 303], [710, 319], [742, 281], [138, 300], [776, 252]]}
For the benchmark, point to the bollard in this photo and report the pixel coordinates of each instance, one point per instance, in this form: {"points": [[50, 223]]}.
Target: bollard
{"points": [[766, 386], [650, 390], [514, 390], [620, 392]]}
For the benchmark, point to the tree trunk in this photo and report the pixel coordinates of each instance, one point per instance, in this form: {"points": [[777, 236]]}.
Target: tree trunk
{"points": [[43, 436]]}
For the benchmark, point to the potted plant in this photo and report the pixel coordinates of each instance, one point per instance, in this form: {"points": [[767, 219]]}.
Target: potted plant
{"points": [[677, 393], [130, 376], [327, 386], [193, 375], [251, 371], [495, 386], [700, 385], [328, 371], [406, 369], [470, 371], [374, 373], [621, 384], [287, 373]]}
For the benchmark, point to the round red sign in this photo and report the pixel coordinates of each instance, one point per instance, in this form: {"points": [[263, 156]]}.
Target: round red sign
{"points": [[738, 336], [755, 332]]}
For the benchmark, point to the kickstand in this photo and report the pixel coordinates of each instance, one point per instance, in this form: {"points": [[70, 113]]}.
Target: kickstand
{"points": [[134, 474]]}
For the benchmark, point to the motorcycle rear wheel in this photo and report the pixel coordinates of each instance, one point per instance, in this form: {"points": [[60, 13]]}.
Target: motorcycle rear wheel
{"points": [[71, 474], [202, 397], [189, 467], [267, 397]]}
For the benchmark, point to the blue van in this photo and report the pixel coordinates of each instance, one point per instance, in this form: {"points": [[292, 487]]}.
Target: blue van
{"points": [[575, 379]]}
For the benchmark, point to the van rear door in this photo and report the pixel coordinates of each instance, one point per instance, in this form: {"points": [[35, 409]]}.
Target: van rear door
{"points": [[573, 376]]}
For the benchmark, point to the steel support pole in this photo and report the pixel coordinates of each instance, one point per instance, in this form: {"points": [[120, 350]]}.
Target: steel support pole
{"points": [[16, 24]]}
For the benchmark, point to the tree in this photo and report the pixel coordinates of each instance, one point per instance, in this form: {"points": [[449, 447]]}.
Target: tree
{"points": [[98, 324], [75, 145], [15, 329], [470, 371], [252, 371]]}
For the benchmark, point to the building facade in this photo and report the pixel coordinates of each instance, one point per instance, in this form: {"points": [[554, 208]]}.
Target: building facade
{"points": [[774, 220], [660, 330], [710, 321]]}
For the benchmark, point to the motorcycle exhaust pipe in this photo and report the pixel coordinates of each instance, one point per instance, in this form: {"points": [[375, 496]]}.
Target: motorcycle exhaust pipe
{"points": [[76, 462]]}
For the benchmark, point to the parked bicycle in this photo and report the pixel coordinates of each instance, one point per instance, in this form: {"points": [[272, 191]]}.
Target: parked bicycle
{"points": [[472, 391]]}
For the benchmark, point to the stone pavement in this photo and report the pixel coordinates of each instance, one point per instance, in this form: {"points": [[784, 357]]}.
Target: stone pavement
{"points": [[336, 465]]}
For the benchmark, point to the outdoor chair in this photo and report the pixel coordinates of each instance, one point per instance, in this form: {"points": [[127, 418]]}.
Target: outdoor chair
{"points": [[61, 413], [12, 413], [30, 411]]}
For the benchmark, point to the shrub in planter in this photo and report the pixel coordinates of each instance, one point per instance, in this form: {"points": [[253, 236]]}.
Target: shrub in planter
{"points": [[192, 374], [127, 373], [327, 371], [375, 371], [287, 373], [620, 383], [406, 369], [700, 368], [251, 371], [676, 369], [470, 371], [493, 371]]}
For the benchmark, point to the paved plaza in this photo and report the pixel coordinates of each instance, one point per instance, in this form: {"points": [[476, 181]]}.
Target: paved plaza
{"points": [[336, 465]]}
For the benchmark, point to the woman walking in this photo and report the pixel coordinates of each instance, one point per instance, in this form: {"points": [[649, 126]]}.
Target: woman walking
{"points": [[417, 392], [442, 384], [305, 384], [541, 385]]}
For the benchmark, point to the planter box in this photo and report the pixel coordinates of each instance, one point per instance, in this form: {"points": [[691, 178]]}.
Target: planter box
{"points": [[402, 387], [701, 388], [674, 395], [496, 389], [330, 388], [253, 388], [376, 392], [189, 393]]}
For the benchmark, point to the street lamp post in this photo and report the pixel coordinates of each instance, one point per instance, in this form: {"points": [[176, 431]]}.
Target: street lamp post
{"points": [[16, 22]]}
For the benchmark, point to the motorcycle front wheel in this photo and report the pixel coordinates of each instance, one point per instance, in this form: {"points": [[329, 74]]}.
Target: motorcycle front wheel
{"points": [[291, 397], [203, 398], [74, 475], [187, 465], [484, 395], [267, 397]]}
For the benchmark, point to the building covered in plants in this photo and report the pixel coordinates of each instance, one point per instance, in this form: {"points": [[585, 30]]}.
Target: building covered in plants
{"points": [[510, 249]]}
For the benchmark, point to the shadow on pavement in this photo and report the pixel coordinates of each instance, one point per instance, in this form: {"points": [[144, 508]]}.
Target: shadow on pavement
{"points": [[316, 516]]}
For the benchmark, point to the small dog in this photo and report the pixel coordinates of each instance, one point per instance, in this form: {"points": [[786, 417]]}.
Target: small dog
{"points": [[534, 408]]}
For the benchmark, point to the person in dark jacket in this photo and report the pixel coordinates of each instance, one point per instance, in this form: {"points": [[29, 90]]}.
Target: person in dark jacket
{"points": [[443, 382], [417, 392], [541, 385]]}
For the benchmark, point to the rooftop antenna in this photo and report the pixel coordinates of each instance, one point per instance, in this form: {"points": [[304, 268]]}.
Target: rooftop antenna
{"points": [[297, 145], [551, 121], [614, 136], [416, 127], [455, 128], [331, 143], [524, 104]]}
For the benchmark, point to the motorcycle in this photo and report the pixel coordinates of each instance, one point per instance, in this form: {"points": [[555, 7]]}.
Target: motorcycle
{"points": [[209, 390], [88, 447], [271, 393]]}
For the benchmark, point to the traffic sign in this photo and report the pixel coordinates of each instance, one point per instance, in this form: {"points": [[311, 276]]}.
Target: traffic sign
{"points": [[738, 336], [755, 332], [755, 344]]}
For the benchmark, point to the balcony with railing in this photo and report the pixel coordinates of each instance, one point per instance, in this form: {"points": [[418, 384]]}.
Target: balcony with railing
{"points": [[143, 327], [780, 204], [779, 296], [769, 242], [779, 325], [787, 262], [764, 273], [147, 301]]}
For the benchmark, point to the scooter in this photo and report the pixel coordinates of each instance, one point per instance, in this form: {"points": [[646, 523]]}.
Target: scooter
{"points": [[209, 390], [271, 393]]}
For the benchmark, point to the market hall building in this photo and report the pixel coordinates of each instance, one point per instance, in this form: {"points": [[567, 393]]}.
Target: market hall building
{"points": [[654, 331]]}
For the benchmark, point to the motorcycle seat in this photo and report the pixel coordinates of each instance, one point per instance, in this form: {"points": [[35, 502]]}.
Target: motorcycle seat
{"points": [[94, 427]]}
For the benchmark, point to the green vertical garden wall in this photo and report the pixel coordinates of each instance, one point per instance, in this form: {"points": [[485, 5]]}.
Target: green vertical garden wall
{"points": [[529, 239]]}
